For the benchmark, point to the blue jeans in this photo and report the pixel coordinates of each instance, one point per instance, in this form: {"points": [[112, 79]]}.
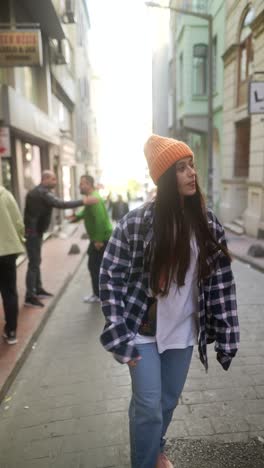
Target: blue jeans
{"points": [[157, 383]]}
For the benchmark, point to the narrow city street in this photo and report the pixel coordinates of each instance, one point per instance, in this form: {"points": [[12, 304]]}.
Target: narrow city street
{"points": [[67, 408]]}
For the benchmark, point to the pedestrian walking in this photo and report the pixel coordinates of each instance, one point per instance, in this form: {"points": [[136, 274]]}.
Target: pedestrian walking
{"points": [[98, 228], [39, 204], [166, 284], [11, 245], [119, 209]]}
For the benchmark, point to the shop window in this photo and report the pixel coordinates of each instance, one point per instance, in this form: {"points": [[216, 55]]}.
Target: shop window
{"points": [[7, 173], [245, 57], [200, 70], [241, 168], [31, 166], [66, 182]]}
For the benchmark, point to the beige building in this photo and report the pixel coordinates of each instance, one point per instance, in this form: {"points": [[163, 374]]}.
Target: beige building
{"points": [[243, 132]]}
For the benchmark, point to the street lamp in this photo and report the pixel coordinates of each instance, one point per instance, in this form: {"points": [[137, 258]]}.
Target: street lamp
{"points": [[210, 124]]}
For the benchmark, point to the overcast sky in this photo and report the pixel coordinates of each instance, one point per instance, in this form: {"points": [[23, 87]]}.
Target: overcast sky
{"points": [[121, 52]]}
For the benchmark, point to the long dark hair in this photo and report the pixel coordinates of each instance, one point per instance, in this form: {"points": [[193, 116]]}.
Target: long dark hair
{"points": [[168, 255]]}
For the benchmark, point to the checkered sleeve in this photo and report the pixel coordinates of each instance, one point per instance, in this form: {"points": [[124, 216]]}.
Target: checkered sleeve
{"points": [[223, 305], [114, 272]]}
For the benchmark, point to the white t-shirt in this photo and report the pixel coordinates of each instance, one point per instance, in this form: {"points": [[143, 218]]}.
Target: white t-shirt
{"points": [[177, 324]]}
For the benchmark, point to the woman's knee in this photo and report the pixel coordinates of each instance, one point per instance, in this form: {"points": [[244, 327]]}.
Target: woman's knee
{"points": [[148, 406]]}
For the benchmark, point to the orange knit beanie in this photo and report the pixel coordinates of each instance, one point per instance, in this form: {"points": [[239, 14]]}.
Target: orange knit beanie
{"points": [[162, 152]]}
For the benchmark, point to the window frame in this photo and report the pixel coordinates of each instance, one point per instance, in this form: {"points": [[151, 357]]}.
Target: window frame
{"points": [[204, 82], [245, 46]]}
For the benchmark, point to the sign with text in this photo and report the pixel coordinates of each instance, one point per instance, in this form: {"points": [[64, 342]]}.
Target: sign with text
{"points": [[20, 48], [256, 97], [5, 149]]}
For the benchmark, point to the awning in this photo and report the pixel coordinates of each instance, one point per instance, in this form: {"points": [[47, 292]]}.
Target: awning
{"points": [[44, 13]]}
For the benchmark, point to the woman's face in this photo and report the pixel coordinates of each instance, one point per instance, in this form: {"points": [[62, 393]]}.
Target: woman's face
{"points": [[185, 176]]}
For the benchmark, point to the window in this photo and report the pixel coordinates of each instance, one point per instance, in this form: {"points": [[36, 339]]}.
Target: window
{"points": [[245, 56], [242, 148], [199, 6], [3, 76], [27, 83], [200, 70], [215, 64], [186, 4], [62, 115], [81, 28]]}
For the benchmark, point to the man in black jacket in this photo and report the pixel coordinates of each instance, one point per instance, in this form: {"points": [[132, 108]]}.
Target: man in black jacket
{"points": [[119, 209], [38, 210]]}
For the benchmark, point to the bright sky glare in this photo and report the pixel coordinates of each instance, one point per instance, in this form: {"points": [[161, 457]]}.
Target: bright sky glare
{"points": [[121, 54]]}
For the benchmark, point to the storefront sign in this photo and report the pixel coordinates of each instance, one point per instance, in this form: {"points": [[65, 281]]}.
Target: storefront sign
{"points": [[5, 149], [256, 97], [20, 48]]}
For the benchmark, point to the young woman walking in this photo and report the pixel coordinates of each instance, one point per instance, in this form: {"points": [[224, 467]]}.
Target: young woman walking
{"points": [[166, 285]]}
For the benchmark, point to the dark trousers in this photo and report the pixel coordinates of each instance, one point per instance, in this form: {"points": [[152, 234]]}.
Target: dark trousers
{"points": [[95, 258], [8, 290], [33, 277]]}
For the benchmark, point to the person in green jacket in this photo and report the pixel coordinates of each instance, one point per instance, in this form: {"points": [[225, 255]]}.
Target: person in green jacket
{"points": [[98, 228], [11, 245]]}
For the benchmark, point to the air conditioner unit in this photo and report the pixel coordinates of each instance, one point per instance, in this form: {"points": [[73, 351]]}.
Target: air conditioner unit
{"points": [[69, 13]]}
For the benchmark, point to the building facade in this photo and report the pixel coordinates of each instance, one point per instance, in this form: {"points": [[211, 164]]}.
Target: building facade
{"points": [[189, 43], [243, 133], [160, 72], [45, 106], [85, 117]]}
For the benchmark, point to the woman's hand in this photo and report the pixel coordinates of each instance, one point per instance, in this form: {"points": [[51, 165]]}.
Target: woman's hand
{"points": [[134, 362]]}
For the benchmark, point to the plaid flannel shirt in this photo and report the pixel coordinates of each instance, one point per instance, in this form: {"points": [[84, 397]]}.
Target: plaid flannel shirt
{"points": [[124, 291]]}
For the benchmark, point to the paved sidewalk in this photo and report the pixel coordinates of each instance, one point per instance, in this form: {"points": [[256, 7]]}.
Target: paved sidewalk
{"points": [[57, 269], [239, 246], [67, 408]]}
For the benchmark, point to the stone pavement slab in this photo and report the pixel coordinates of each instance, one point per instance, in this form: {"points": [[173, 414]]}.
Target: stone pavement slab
{"points": [[69, 402], [239, 245]]}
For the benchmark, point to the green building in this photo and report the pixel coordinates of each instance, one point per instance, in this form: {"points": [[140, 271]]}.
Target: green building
{"points": [[189, 83]]}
